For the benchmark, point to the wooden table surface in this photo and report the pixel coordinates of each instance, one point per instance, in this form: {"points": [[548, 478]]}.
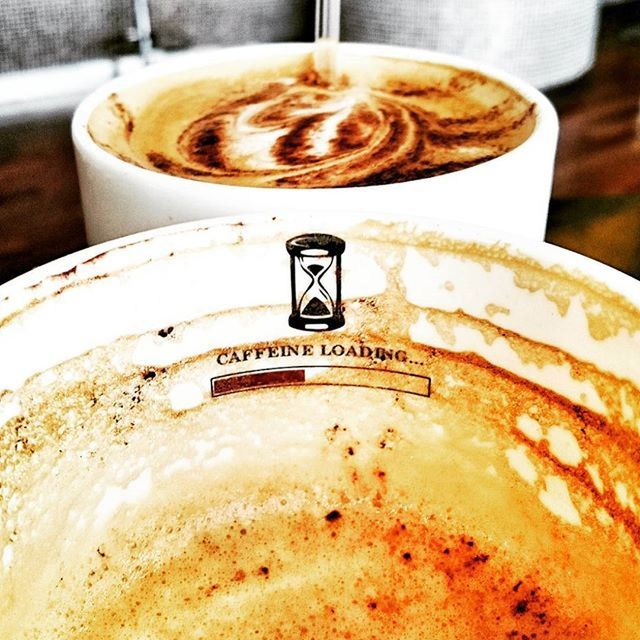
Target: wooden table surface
{"points": [[595, 209]]}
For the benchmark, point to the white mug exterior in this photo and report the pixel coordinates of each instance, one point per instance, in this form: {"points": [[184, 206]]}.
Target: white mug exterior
{"points": [[509, 193]]}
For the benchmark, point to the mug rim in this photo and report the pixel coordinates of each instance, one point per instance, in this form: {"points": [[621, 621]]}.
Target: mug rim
{"points": [[545, 254], [546, 119]]}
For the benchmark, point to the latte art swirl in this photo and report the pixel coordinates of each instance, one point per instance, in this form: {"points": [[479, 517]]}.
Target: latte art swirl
{"points": [[411, 120]]}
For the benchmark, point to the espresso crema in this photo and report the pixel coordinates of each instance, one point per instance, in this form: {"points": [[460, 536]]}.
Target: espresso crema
{"points": [[274, 123]]}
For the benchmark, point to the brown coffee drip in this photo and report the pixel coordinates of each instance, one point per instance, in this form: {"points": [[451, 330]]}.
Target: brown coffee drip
{"points": [[414, 120]]}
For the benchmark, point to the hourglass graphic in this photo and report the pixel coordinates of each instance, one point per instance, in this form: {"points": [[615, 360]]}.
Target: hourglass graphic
{"points": [[315, 281]]}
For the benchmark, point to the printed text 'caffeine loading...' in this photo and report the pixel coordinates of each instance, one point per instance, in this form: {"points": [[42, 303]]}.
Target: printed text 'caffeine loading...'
{"points": [[380, 354]]}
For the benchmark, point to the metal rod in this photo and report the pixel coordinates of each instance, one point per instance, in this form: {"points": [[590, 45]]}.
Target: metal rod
{"points": [[143, 29], [328, 19], [327, 38]]}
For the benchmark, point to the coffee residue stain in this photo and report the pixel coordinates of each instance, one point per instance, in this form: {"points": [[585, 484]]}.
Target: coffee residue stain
{"points": [[379, 555]]}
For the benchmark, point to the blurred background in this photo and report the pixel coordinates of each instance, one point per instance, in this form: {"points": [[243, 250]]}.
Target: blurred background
{"points": [[585, 55]]}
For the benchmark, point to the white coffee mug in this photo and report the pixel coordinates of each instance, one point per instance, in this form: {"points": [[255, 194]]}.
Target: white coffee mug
{"points": [[509, 193], [163, 393]]}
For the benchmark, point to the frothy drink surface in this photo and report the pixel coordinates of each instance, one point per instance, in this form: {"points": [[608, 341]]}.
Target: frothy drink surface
{"points": [[275, 124]]}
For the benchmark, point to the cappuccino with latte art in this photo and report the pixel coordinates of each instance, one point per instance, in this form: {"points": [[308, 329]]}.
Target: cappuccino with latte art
{"points": [[275, 123]]}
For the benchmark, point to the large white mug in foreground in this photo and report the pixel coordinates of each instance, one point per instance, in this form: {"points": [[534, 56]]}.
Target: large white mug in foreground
{"points": [[509, 192], [336, 427]]}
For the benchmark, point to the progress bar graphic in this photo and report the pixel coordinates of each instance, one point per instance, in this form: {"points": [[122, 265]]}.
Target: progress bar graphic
{"points": [[323, 375]]}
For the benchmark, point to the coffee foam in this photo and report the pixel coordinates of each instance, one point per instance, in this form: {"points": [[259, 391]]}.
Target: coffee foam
{"points": [[275, 124], [493, 508]]}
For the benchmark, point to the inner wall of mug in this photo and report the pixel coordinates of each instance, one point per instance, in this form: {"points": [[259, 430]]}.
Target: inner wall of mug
{"points": [[509, 193], [235, 374]]}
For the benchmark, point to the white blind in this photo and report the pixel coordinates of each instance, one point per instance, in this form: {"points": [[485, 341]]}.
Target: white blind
{"points": [[544, 41]]}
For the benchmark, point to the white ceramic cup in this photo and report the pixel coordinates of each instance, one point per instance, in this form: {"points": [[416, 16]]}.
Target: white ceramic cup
{"points": [[509, 193], [507, 373], [133, 386]]}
